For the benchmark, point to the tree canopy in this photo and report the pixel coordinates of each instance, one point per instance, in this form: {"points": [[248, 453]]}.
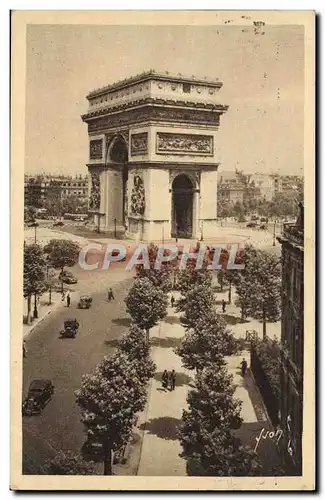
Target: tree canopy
{"points": [[146, 303], [62, 253]]}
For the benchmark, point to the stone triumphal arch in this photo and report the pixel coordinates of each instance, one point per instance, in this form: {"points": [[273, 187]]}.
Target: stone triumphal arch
{"points": [[153, 156]]}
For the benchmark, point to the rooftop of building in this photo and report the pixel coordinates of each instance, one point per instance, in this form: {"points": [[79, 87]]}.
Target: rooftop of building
{"points": [[156, 75]]}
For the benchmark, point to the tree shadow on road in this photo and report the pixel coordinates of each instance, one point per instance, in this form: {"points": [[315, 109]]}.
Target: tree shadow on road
{"points": [[163, 427], [122, 321], [181, 378], [233, 320], [167, 342], [112, 342], [172, 320]]}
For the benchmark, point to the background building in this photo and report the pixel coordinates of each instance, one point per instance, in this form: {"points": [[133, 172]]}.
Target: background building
{"points": [[292, 339], [40, 189]]}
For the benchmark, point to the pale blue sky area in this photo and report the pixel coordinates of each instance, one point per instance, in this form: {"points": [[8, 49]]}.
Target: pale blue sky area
{"points": [[263, 77]]}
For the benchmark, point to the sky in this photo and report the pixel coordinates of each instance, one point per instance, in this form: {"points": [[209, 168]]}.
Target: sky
{"points": [[262, 75]]}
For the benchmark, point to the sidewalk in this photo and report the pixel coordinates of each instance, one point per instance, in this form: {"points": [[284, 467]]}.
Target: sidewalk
{"points": [[160, 448], [44, 310]]}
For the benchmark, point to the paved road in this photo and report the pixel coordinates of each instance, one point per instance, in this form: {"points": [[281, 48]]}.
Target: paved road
{"points": [[64, 361]]}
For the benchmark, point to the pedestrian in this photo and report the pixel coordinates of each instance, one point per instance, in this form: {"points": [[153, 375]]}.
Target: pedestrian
{"points": [[172, 379], [243, 367], [164, 379], [224, 305], [68, 300], [172, 300], [110, 294]]}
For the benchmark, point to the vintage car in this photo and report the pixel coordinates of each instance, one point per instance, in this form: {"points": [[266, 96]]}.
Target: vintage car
{"points": [[70, 329], [39, 394], [85, 301], [252, 224], [68, 278], [58, 223]]}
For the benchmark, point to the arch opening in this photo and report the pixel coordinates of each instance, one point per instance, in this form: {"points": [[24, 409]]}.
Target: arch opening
{"points": [[182, 207]]}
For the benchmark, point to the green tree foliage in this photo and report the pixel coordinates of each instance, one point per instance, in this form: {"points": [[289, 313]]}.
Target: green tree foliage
{"points": [[162, 277], [146, 304], [207, 343], [259, 288], [134, 344], [110, 399], [34, 272], [206, 433], [62, 253], [67, 463]]}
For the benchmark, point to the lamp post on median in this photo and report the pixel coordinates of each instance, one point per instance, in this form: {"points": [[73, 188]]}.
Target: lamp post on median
{"points": [[274, 234]]}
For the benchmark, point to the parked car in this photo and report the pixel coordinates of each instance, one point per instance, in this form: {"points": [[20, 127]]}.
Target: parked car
{"points": [[251, 224], [39, 394], [58, 223], [68, 278], [264, 219], [33, 224], [263, 227]]}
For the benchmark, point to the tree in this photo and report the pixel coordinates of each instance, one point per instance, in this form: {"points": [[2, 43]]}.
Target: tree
{"points": [[206, 432], [62, 253], [259, 288], [198, 302], [146, 304], [191, 277], [110, 399], [68, 463], [207, 344], [227, 276], [162, 277], [137, 349], [34, 274]]}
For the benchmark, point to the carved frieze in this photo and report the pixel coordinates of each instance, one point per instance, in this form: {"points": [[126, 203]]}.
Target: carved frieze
{"points": [[173, 115], [96, 149], [138, 202], [189, 144], [139, 144], [94, 201]]}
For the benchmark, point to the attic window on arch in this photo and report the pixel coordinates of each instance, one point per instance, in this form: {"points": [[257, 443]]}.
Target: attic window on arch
{"points": [[186, 88]]}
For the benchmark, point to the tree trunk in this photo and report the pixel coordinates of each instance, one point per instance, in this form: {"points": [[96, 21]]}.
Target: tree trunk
{"points": [[108, 461], [264, 325], [221, 285], [62, 269], [50, 296], [29, 308], [147, 335], [229, 295]]}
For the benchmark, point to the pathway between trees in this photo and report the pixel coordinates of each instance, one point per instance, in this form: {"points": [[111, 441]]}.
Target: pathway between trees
{"points": [[160, 446]]}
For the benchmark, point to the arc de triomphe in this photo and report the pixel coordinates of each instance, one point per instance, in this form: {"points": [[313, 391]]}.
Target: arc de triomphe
{"points": [[153, 157]]}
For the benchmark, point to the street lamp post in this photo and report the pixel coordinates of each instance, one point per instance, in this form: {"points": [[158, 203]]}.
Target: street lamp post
{"points": [[274, 234]]}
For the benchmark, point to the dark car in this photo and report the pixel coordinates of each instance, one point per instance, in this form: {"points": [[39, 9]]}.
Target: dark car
{"points": [[70, 328], [33, 224], [68, 278], [58, 223], [263, 227], [92, 449], [85, 302], [39, 394], [264, 219], [251, 224]]}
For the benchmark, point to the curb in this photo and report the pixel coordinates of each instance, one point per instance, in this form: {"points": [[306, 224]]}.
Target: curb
{"points": [[33, 326]]}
